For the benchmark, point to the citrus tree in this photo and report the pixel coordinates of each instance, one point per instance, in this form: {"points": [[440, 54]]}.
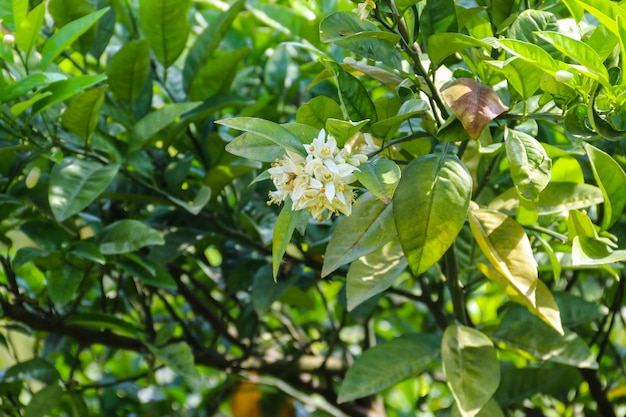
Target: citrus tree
{"points": [[257, 208]]}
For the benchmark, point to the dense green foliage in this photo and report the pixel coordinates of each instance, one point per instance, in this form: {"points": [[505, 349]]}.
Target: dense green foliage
{"points": [[479, 272]]}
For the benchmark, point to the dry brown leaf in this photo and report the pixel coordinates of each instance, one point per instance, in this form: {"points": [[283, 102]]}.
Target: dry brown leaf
{"points": [[474, 104]]}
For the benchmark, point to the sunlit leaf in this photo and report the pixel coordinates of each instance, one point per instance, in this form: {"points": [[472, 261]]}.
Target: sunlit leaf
{"points": [[273, 132], [126, 236], [529, 163], [128, 70], [75, 183], [286, 224], [179, 358], [380, 176], [81, 116], [474, 104], [29, 29], [64, 89], [611, 179], [157, 120], [317, 111], [44, 401], [353, 95], [63, 283], [67, 35], [442, 45]]}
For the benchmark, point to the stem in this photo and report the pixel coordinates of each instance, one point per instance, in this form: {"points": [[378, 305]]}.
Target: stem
{"points": [[454, 286]]}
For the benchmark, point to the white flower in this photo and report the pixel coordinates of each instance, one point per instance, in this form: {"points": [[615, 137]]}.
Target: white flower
{"points": [[363, 9], [318, 182]]}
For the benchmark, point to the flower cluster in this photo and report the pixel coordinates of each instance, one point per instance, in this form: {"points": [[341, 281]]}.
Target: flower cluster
{"points": [[363, 9], [318, 182]]}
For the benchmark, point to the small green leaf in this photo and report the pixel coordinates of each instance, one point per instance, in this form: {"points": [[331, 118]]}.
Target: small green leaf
{"points": [[528, 22], [63, 283], [385, 365], [158, 120], [343, 130], [606, 12], [438, 16], [577, 122], [67, 35], [81, 116], [179, 358], [474, 104], [611, 179], [588, 248], [126, 236], [545, 344], [491, 409], [29, 29], [522, 76], [387, 127], [471, 366], [286, 224], [75, 183], [374, 273], [62, 90], [128, 70], [380, 176], [529, 163], [430, 207], [44, 401], [271, 131], [265, 290], [164, 24], [87, 250], [368, 228]]}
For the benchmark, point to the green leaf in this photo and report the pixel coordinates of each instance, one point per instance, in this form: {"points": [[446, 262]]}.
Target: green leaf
{"points": [[438, 16], [216, 75], [156, 121], [67, 35], [611, 179], [286, 224], [471, 366], [503, 10], [606, 12], [355, 100], [126, 236], [207, 43], [529, 163], [588, 248], [265, 290], [490, 409], [380, 176], [474, 104], [29, 29], [75, 183], [101, 322], [528, 23], [368, 228], [28, 83], [81, 116], [442, 45], [179, 358], [87, 250], [347, 31], [63, 283], [430, 207], [66, 11], [164, 24], [576, 310], [128, 70], [374, 273], [576, 122], [531, 53], [387, 127], [317, 110], [580, 52], [271, 131], [384, 365], [521, 75], [545, 344], [62, 90], [44, 401], [256, 148], [343, 130]]}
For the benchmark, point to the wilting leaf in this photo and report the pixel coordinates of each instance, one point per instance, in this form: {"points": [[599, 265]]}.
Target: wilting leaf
{"points": [[474, 104]]}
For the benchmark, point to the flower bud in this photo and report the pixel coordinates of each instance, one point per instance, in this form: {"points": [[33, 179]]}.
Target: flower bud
{"points": [[33, 178], [563, 76], [8, 39]]}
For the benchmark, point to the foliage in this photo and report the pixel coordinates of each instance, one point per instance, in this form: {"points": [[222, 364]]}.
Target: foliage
{"points": [[478, 273]]}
